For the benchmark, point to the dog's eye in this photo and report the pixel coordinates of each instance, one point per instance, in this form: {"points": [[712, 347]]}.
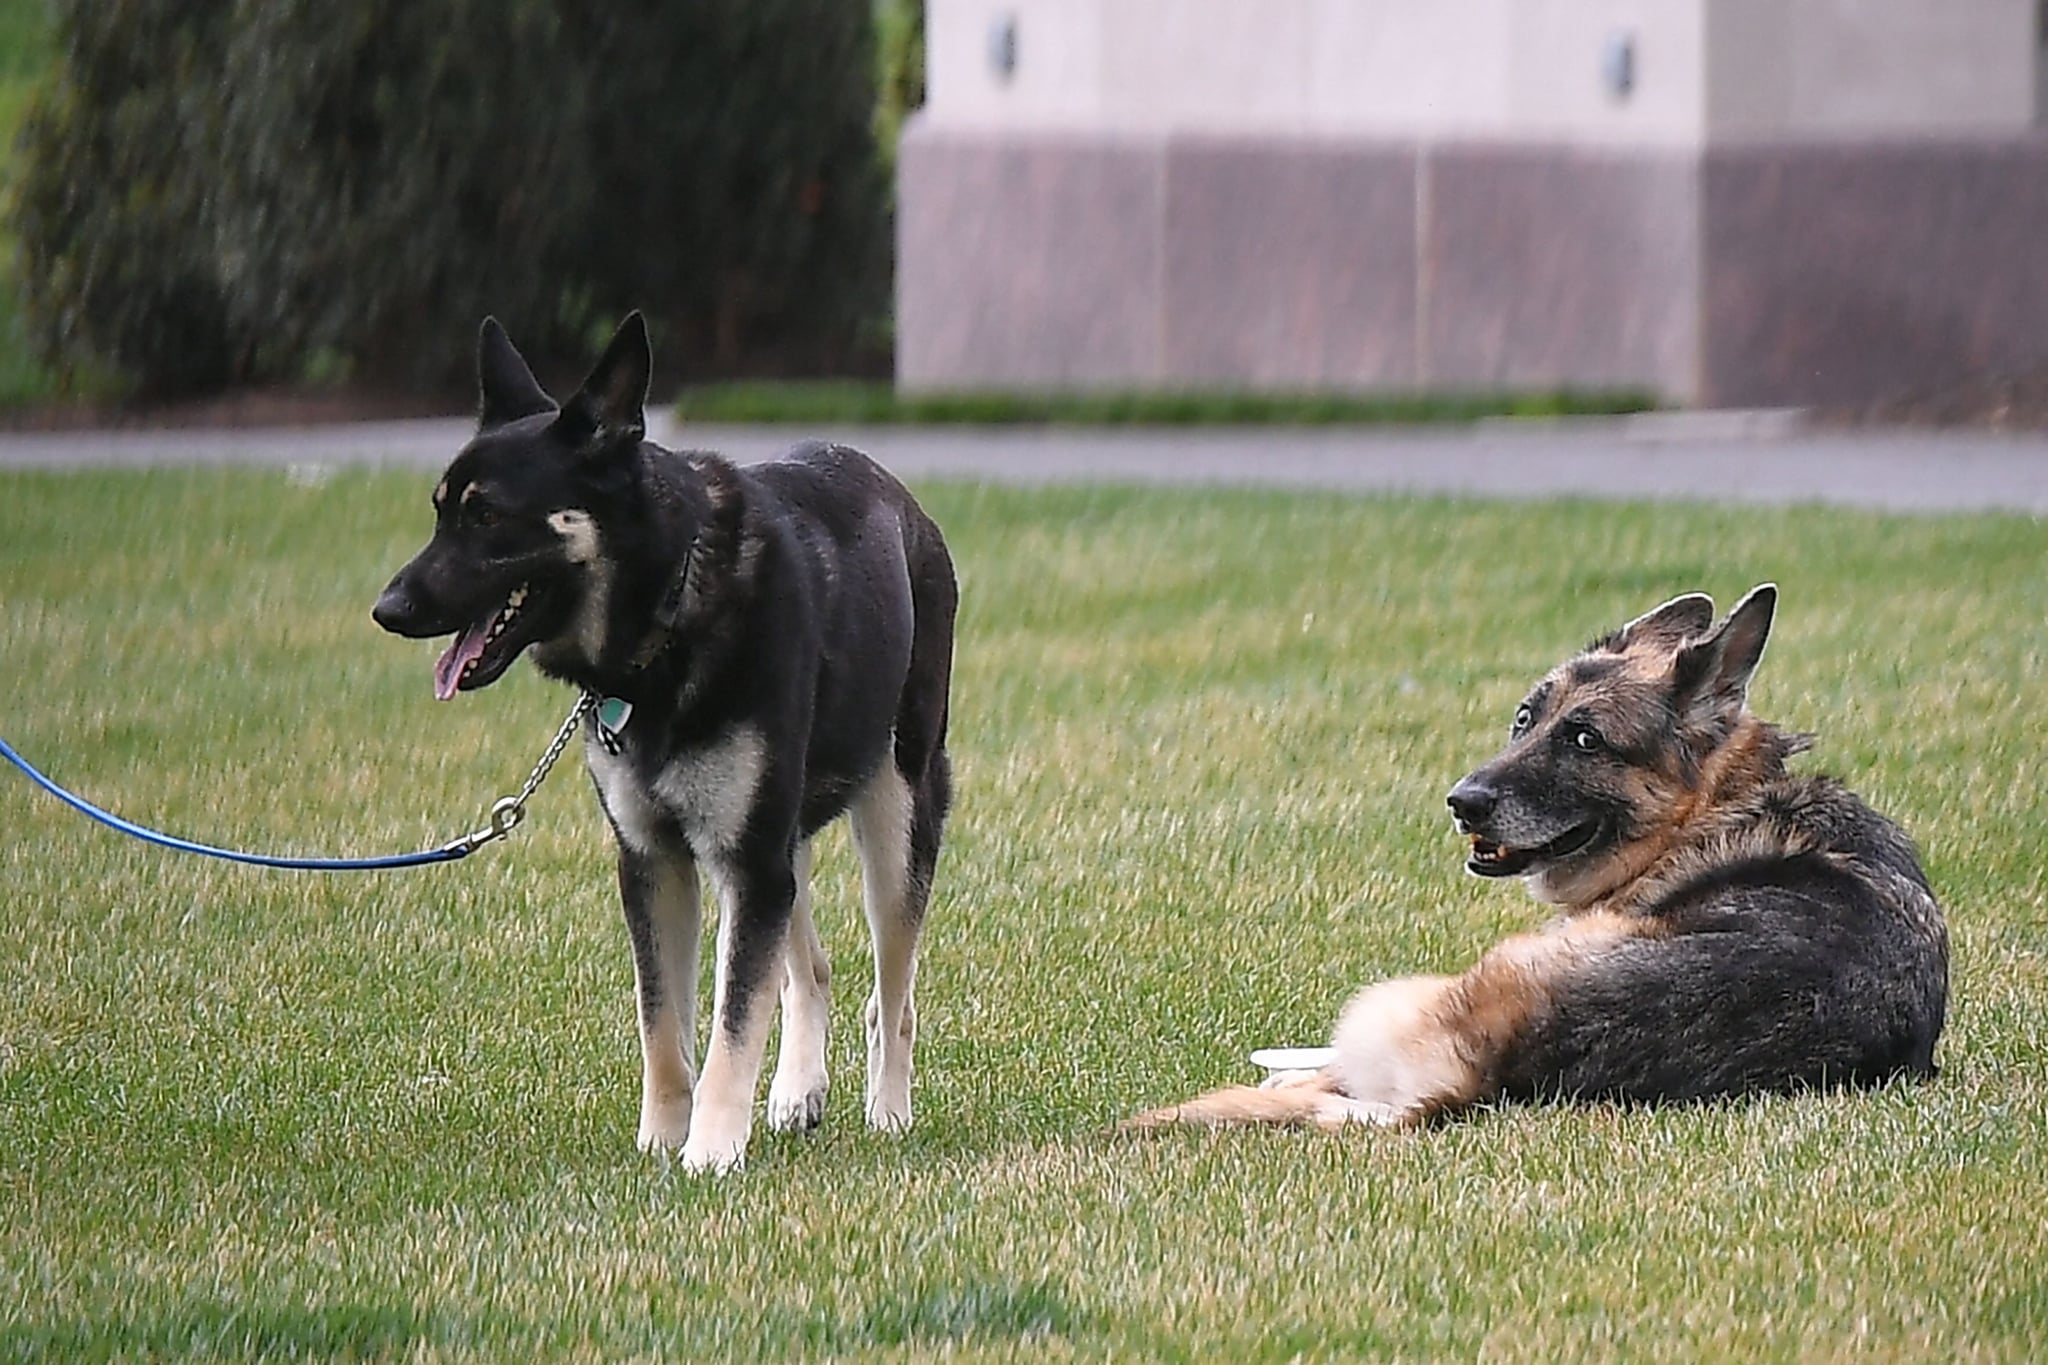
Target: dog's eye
{"points": [[481, 513], [1586, 740], [1524, 718]]}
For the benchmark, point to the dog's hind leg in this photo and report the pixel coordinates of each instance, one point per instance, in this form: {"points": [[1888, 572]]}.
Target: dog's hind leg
{"points": [[895, 831], [796, 1097], [1312, 1100], [898, 819], [663, 916], [1401, 1054]]}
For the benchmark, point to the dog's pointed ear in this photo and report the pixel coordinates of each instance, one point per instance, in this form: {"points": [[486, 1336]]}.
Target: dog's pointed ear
{"points": [[506, 388], [1712, 673], [611, 407], [1666, 627]]}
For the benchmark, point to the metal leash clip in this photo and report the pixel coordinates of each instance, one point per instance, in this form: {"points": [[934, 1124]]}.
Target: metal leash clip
{"points": [[506, 813]]}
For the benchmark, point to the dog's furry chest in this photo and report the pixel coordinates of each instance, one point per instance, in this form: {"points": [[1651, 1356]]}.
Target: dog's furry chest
{"points": [[703, 793]]}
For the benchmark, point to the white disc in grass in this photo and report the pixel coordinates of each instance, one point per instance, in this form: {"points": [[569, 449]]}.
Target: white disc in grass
{"points": [[1294, 1058]]}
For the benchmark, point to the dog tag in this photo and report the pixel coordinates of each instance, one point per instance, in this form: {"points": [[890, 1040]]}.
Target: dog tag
{"points": [[612, 715]]}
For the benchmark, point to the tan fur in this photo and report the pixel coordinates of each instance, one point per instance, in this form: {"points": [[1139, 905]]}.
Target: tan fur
{"points": [[1416, 1047], [1312, 1102], [1707, 827], [1496, 997], [1643, 742], [1400, 1048], [1664, 796], [668, 1034]]}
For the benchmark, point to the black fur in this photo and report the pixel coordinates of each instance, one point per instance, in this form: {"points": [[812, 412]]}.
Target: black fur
{"points": [[1726, 927], [1802, 970], [805, 604], [1783, 934]]}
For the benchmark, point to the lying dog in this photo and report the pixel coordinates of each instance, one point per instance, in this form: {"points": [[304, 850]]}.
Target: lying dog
{"points": [[1726, 927], [774, 646]]}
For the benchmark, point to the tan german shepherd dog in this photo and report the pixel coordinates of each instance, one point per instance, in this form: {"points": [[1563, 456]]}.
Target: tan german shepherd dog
{"points": [[1724, 927]]}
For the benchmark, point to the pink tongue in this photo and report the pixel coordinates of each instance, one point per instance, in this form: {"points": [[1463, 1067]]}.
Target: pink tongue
{"points": [[448, 668]]}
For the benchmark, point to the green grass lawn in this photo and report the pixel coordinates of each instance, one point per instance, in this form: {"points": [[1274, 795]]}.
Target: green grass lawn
{"points": [[1202, 741]]}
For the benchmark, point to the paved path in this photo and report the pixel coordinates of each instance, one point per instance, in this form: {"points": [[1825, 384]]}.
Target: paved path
{"points": [[1730, 457]]}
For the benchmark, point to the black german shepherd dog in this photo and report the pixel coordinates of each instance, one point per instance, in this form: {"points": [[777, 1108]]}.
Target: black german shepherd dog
{"points": [[774, 646]]}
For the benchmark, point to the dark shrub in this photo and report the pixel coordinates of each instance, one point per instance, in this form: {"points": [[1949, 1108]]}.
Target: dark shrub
{"points": [[225, 191], [396, 169], [113, 206], [753, 208]]}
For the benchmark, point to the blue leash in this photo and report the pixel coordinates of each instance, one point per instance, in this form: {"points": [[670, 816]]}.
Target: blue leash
{"points": [[506, 814]]}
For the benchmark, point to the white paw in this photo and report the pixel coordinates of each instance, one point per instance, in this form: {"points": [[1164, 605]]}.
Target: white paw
{"points": [[1338, 1111], [717, 1143], [890, 1113], [712, 1158], [663, 1127], [889, 1070], [797, 1106]]}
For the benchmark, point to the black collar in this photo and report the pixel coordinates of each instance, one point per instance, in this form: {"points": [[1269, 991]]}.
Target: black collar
{"points": [[666, 612]]}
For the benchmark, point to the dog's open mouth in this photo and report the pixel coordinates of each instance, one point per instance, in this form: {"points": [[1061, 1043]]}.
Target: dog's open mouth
{"points": [[1489, 859], [482, 650]]}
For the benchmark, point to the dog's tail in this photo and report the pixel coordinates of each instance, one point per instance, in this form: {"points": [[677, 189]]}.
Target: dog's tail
{"points": [[1312, 1101]]}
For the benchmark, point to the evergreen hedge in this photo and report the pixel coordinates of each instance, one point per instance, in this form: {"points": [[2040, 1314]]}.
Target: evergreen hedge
{"points": [[230, 191]]}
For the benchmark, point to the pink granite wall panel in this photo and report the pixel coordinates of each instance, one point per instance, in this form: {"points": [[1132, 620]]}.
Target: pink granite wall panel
{"points": [[1548, 266], [1852, 271], [1290, 264], [1028, 262], [1752, 275]]}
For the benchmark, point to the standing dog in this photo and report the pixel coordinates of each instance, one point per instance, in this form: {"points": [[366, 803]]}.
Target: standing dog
{"points": [[1727, 927], [774, 646]]}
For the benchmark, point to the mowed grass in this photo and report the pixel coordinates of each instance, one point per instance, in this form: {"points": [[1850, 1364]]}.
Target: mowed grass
{"points": [[832, 402], [1201, 742]]}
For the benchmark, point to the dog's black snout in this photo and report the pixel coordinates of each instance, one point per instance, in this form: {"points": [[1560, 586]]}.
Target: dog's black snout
{"points": [[396, 610], [1471, 803]]}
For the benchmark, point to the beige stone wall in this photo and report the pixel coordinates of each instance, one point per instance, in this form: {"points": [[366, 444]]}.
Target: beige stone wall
{"points": [[1518, 70], [1821, 68]]}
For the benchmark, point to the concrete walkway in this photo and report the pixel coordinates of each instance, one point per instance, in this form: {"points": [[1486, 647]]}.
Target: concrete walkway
{"points": [[1726, 457]]}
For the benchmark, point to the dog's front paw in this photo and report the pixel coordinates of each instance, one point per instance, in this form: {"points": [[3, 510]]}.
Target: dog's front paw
{"points": [[889, 1114], [796, 1107], [712, 1158], [663, 1127], [889, 1070], [715, 1145]]}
